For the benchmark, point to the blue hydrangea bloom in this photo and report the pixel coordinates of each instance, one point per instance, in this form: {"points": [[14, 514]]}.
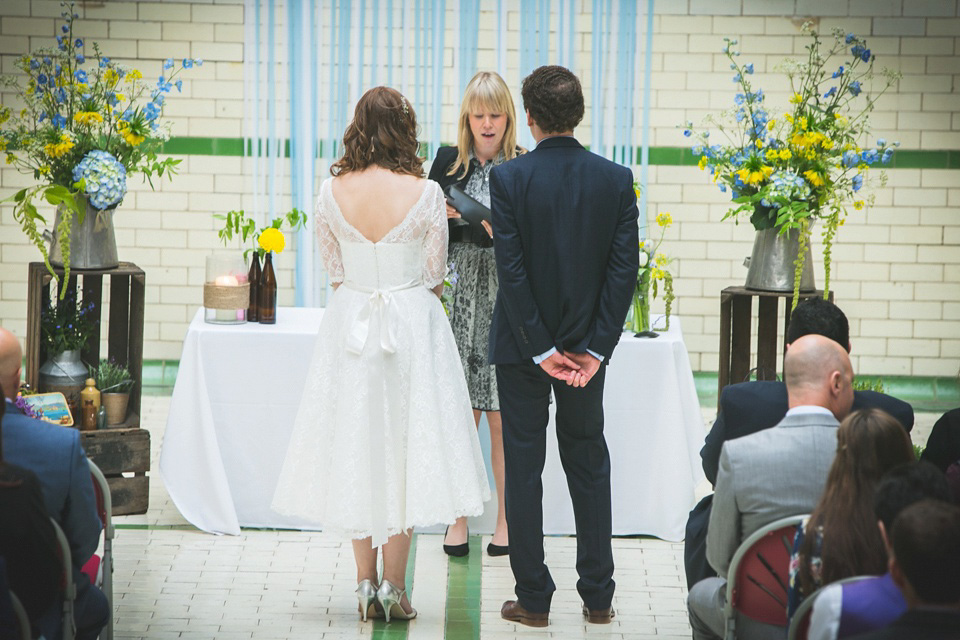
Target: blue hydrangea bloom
{"points": [[105, 179]]}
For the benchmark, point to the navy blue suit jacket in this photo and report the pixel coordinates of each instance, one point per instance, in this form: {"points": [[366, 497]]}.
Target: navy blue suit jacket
{"points": [[749, 407], [566, 244], [55, 455]]}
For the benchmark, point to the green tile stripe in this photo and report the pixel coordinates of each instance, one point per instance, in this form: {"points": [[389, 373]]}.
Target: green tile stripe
{"points": [[463, 593], [397, 630], [659, 156]]}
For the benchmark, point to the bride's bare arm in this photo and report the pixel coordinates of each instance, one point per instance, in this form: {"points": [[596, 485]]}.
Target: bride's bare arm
{"points": [[438, 290]]}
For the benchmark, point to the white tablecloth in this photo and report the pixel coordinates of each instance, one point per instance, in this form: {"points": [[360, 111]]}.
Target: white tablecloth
{"points": [[236, 397]]}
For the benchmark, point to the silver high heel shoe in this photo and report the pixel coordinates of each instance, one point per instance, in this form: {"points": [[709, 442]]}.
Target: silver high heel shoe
{"points": [[390, 598], [367, 598]]}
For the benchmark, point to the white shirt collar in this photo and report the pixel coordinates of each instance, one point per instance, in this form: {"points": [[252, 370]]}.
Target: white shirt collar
{"points": [[808, 409]]}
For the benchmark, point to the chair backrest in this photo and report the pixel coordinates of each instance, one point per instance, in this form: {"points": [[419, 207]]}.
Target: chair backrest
{"points": [[758, 574], [800, 624], [23, 622], [68, 586], [104, 499]]}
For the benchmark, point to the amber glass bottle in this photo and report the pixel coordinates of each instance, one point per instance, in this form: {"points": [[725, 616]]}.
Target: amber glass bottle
{"points": [[253, 277], [268, 292]]}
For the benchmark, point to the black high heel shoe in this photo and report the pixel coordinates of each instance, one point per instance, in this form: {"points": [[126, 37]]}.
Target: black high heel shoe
{"points": [[457, 550], [495, 550]]}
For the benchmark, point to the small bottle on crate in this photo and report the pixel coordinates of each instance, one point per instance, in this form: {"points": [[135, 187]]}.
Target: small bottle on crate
{"points": [[90, 404]]}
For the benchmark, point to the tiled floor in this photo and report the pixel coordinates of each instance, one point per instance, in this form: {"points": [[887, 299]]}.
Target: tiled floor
{"points": [[172, 581]]}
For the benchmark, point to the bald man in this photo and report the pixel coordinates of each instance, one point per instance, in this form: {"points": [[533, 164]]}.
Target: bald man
{"points": [[773, 474], [55, 455]]}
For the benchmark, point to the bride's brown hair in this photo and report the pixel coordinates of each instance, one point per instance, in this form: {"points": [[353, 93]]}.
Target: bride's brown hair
{"points": [[383, 133]]}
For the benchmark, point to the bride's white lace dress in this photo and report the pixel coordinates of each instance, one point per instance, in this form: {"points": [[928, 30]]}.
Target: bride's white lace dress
{"points": [[384, 438]]}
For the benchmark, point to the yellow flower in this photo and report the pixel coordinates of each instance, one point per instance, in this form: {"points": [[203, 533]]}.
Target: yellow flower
{"points": [[88, 117], [788, 118], [664, 219], [44, 170], [57, 149], [813, 177], [656, 273], [796, 98], [111, 77], [10, 158], [803, 122], [703, 162], [759, 143], [772, 155], [771, 125], [134, 75], [4, 114], [3, 145], [661, 260], [133, 139], [841, 120], [637, 192], [827, 143], [272, 240], [858, 205], [121, 97], [785, 154]]}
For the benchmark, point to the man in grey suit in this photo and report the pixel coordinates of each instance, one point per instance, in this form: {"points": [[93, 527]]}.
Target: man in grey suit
{"points": [[773, 474]]}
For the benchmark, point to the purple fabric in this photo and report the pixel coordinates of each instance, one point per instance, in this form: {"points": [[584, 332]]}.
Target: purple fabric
{"points": [[869, 604]]}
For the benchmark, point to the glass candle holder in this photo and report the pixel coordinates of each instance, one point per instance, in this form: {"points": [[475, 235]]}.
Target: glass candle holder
{"points": [[226, 292]]}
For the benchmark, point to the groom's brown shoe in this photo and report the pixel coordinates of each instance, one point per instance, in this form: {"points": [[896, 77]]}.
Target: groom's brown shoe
{"points": [[599, 616], [511, 610]]}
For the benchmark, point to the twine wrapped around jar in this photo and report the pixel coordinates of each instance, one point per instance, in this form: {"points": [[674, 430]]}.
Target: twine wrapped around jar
{"points": [[226, 297]]}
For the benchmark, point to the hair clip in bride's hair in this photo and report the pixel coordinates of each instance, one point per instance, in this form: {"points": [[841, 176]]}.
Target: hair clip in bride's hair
{"points": [[404, 106]]}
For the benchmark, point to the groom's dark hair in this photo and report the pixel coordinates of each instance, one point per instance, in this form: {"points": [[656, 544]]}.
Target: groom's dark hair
{"points": [[554, 99]]}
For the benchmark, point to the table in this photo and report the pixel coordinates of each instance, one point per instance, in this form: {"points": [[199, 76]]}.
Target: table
{"points": [[238, 387]]}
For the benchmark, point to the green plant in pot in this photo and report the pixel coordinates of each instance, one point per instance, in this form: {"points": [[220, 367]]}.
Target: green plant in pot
{"points": [[114, 382], [79, 125], [806, 164]]}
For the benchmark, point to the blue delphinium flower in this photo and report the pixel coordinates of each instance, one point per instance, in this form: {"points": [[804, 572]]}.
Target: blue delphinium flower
{"points": [[686, 132], [887, 155], [855, 88], [151, 112], [199, 62], [34, 65], [80, 75], [59, 121], [838, 72], [168, 63], [861, 52], [81, 59], [881, 143], [65, 29], [104, 62], [78, 43], [41, 79], [736, 78], [43, 116], [832, 91], [179, 85], [850, 38], [187, 63], [857, 182], [104, 178], [46, 60], [739, 99], [749, 68], [870, 156], [851, 159]]}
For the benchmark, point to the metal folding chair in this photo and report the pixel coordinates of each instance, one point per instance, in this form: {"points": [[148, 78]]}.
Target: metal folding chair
{"points": [[758, 575], [21, 615], [800, 624], [105, 511], [69, 588]]}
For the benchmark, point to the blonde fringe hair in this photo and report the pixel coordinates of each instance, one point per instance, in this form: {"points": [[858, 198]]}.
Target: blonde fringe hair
{"points": [[487, 92]]}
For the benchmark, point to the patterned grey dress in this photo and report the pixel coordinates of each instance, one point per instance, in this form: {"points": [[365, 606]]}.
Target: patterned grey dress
{"points": [[473, 297]]}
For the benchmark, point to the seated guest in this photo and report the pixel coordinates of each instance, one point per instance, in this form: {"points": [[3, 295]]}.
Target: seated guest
{"points": [[943, 445], [773, 474], [750, 407], [55, 455], [841, 611], [840, 539], [27, 539], [925, 565]]}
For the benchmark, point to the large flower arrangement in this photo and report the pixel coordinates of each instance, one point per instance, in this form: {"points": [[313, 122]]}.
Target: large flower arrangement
{"points": [[83, 123], [807, 163]]}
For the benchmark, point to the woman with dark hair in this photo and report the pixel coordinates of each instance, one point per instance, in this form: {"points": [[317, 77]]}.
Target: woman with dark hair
{"points": [[384, 439], [27, 539], [486, 137], [845, 541]]}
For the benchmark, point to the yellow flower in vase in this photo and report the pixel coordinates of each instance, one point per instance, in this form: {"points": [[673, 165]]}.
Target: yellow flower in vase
{"points": [[272, 240], [664, 219]]}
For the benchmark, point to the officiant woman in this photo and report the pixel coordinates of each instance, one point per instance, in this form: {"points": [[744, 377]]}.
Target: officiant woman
{"points": [[486, 136]]}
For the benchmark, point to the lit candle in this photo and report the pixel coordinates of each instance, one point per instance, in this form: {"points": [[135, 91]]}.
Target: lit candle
{"points": [[226, 281]]}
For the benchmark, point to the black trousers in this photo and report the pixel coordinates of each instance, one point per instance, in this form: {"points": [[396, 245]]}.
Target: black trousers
{"points": [[524, 398], [695, 563]]}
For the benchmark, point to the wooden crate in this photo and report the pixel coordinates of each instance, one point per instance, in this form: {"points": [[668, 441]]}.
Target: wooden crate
{"points": [[118, 451], [125, 324], [122, 449]]}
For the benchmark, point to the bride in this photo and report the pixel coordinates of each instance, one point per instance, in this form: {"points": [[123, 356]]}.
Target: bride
{"points": [[384, 438]]}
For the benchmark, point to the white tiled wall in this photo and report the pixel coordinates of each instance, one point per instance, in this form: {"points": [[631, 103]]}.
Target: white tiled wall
{"points": [[896, 266]]}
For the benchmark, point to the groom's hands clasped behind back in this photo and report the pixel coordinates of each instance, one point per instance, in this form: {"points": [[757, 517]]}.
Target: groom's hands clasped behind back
{"points": [[576, 369]]}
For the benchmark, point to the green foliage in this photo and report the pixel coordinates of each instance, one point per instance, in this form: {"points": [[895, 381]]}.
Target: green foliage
{"points": [[111, 377], [868, 384], [237, 225], [66, 326]]}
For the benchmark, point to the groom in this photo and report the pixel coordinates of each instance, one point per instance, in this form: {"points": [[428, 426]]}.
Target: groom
{"points": [[565, 238]]}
